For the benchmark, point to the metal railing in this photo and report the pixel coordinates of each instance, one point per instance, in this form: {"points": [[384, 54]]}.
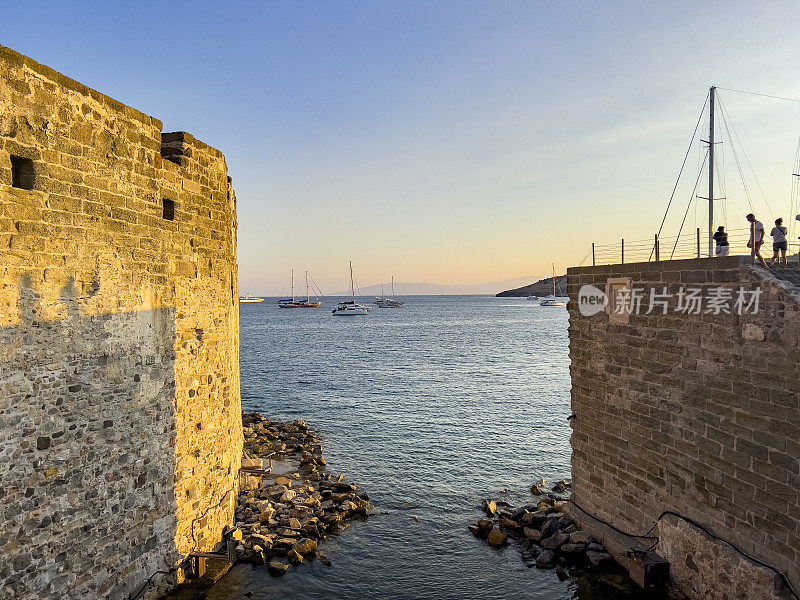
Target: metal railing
{"points": [[688, 245]]}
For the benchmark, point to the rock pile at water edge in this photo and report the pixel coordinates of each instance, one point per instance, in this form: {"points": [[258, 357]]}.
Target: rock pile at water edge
{"points": [[547, 536], [284, 518]]}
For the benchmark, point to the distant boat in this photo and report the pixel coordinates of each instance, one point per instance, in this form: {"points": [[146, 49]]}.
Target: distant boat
{"points": [[250, 299], [384, 302], [293, 303], [532, 298], [351, 307], [553, 301]]}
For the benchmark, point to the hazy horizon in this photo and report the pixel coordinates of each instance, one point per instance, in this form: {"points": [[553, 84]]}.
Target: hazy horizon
{"points": [[452, 141]]}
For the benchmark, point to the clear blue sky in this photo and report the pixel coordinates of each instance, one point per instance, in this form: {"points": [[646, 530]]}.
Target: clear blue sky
{"points": [[452, 142]]}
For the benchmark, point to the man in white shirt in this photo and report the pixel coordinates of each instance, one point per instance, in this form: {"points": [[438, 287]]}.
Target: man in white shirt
{"points": [[756, 237]]}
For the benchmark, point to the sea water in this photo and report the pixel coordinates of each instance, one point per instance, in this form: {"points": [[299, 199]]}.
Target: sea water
{"points": [[429, 408]]}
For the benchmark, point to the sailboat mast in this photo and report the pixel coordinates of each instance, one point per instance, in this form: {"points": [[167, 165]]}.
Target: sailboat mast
{"points": [[308, 298], [292, 285], [554, 280], [711, 171], [352, 285], [392, 286]]}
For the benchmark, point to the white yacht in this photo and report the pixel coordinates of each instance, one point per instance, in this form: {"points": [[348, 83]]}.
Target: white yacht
{"points": [[553, 301], [351, 307], [248, 299], [384, 302]]}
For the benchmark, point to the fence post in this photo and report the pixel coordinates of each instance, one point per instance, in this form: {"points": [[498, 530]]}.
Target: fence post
{"points": [[657, 258], [623, 251], [593, 263], [698, 242]]}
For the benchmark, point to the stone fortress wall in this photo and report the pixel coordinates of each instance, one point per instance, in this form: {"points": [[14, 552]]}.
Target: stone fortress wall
{"points": [[697, 414], [120, 409]]}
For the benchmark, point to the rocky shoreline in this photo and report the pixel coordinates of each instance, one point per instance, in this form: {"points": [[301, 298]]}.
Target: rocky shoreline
{"points": [[287, 509], [549, 539]]}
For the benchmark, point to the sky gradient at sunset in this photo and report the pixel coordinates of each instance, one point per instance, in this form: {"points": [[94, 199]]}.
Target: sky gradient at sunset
{"points": [[448, 142]]}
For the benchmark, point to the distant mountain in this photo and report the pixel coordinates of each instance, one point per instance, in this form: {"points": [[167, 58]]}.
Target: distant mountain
{"points": [[436, 289], [543, 287]]}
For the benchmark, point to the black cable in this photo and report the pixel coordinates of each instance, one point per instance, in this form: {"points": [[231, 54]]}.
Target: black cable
{"points": [[699, 526], [203, 515], [691, 200], [757, 94], [149, 579]]}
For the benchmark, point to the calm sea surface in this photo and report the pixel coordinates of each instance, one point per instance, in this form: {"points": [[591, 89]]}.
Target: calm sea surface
{"points": [[430, 408]]}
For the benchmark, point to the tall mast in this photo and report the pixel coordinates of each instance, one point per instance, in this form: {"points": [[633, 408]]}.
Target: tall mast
{"points": [[392, 286], [308, 298], [554, 280], [711, 171], [292, 285], [352, 285]]}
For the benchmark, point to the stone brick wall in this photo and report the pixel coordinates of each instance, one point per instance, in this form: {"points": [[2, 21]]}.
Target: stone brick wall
{"points": [[693, 413], [120, 410]]}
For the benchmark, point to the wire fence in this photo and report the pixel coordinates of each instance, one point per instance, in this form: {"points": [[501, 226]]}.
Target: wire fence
{"points": [[688, 245]]}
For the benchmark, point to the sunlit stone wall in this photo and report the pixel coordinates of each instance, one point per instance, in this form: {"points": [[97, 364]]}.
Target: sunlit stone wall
{"points": [[120, 411], [697, 414]]}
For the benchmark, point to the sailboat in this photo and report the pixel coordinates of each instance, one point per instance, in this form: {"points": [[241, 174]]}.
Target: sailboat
{"points": [[553, 301], [294, 303], [351, 307], [384, 302]]}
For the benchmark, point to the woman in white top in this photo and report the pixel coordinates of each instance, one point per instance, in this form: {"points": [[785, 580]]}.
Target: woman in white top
{"points": [[779, 242]]}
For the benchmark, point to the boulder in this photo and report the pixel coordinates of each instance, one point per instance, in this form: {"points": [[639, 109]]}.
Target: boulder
{"points": [[549, 527], [282, 480], [294, 557], [554, 541], [485, 525], [561, 486], [518, 514], [598, 558], [535, 518], [509, 523], [580, 537], [497, 538], [324, 559], [305, 546], [276, 567], [546, 560], [532, 534], [489, 507], [570, 548], [475, 530], [535, 490], [595, 547]]}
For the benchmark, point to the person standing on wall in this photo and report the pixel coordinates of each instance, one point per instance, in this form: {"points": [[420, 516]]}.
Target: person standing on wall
{"points": [[779, 243], [756, 238], [721, 238]]}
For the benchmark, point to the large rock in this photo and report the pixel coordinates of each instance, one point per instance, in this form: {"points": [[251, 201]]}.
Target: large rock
{"points": [[485, 525], [283, 481], [550, 527], [276, 567], [532, 534], [535, 518], [570, 548], [598, 558], [497, 538], [305, 546], [509, 524], [580, 537], [555, 540], [546, 560]]}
